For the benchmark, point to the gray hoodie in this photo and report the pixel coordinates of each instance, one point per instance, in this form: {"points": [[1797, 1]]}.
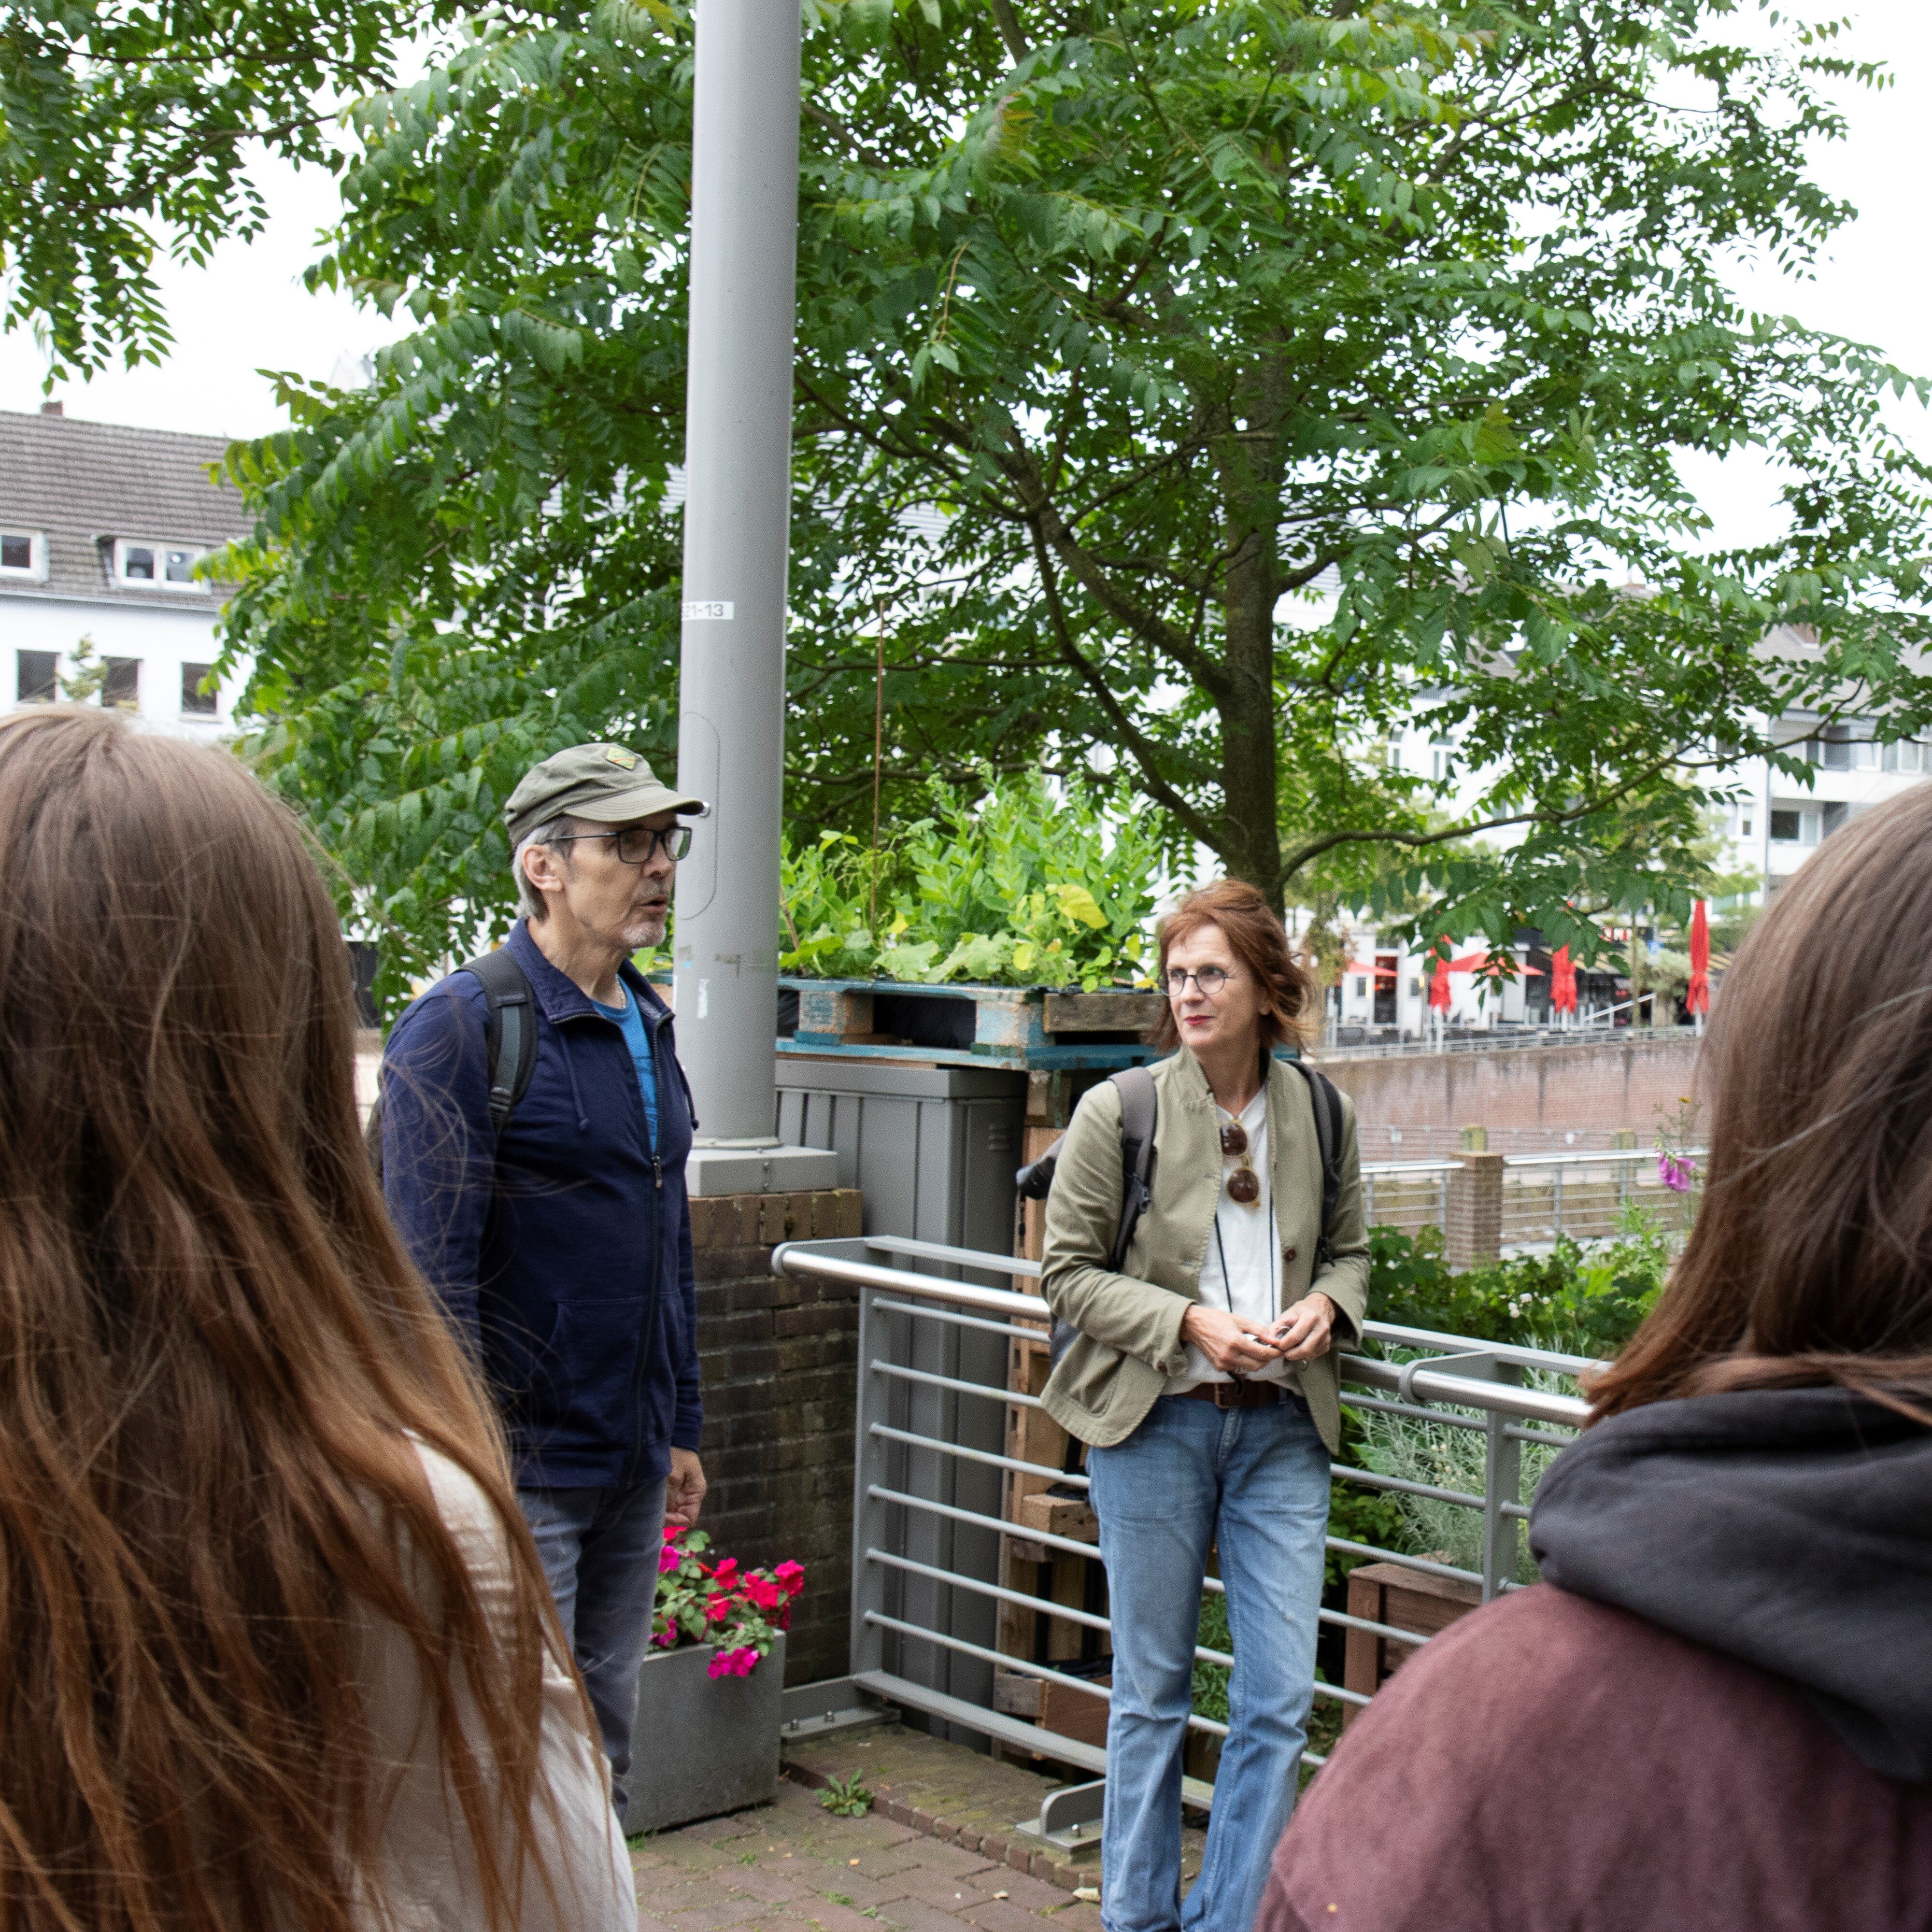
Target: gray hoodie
{"points": [[1789, 1528]]}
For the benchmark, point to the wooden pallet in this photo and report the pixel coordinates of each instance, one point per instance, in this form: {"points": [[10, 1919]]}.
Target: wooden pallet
{"points": [[1016, 1026]]}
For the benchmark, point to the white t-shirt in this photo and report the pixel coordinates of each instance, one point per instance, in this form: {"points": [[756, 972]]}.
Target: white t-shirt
{"points": [[1244, 1233]]}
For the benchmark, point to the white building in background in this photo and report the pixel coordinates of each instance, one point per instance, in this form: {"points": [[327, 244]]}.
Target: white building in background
{"points": [[101, 529]]}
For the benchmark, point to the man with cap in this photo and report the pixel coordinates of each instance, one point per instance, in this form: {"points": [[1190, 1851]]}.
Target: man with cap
{"points": [[559, 1237]]}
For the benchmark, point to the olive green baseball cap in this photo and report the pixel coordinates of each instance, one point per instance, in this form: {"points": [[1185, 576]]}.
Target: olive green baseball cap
{"points": [[608, 785]]}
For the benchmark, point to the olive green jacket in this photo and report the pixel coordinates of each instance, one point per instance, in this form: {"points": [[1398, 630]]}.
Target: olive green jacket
{"points": [[1130, 1339]]}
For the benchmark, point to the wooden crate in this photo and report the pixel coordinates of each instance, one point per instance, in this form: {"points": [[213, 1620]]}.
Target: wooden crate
{"points": [[1410, 1600]]}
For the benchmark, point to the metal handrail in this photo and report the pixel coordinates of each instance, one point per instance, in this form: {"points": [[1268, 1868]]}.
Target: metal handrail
{"points": [[927, 1437]]}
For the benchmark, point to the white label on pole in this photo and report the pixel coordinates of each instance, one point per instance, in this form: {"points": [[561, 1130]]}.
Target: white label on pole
{"points": [[696, 607]]}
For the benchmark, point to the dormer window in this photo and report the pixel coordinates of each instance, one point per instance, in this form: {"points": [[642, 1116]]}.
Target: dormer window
{"points": [[162, 566], [23, 554]]}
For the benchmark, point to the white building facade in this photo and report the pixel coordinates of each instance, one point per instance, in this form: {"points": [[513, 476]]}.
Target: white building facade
{"points": [[102, 528]]}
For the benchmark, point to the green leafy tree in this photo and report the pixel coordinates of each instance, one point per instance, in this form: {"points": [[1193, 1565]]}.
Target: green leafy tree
{"points": [[1194, 391]]}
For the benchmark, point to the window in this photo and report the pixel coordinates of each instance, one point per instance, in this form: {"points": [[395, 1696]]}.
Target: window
{"points": [[1744, 826], [35, 675], [1792, 827], [1361, 988], [22, 553], [170, 566], [1442, 757], [1907, 755], [121, 684], [197, 703]]}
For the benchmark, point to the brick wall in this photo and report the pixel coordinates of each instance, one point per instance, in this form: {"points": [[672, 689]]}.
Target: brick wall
{"points": [[780, 1362], [1604, 1085]]}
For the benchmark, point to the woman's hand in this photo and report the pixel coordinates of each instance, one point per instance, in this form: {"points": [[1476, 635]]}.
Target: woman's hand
{"points": [[1231, 1343], [1302, 1333]]}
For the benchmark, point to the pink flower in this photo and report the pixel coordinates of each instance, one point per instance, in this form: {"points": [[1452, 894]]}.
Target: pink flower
{"points": [[720, 1665], [718, 1609], [792, 1577], [1675, 1171], [672, 1531], [733, 1662], [668, 1560], [726, 1572], [763, 1591], [665, 1639]]}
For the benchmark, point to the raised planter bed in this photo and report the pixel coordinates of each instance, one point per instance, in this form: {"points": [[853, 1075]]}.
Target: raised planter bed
{"points": [[701, 1746]]}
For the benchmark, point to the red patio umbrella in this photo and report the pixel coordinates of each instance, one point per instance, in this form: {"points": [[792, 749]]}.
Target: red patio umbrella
{"points": [[1439, 986], [1698, 999], [1562, 982]]}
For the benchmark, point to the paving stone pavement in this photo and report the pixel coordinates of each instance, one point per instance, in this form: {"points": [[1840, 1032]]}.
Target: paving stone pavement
{"points": [[792, 1866]]}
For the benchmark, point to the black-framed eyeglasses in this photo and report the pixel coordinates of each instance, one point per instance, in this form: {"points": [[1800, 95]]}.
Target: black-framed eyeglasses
{"points": [[1209, 982], [636, 844]]}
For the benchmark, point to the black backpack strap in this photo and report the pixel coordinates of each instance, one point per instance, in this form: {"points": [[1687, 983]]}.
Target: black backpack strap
{"points": [[1139, 1113], [1327, 1105], [510, 1030]]}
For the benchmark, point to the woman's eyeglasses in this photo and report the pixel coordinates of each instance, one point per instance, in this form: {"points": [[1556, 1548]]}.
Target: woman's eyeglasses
{"points": [[1244, 1185], [1208, 982], [636, 843]]}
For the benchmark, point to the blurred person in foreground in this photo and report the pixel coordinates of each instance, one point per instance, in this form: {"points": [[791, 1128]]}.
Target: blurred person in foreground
{"points": [[1203, 1377], [1716, 1710], [559, 1237], [278, 1651]]}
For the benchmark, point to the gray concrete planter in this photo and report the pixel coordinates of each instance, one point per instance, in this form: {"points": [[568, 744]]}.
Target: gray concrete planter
{"points": [[702, 1745]]}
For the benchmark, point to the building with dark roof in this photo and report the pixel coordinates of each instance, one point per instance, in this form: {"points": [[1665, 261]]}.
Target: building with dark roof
{"points": [[102, 530]]}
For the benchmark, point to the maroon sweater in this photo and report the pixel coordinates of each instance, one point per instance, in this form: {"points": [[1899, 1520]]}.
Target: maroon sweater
{"points": [[1555, 1765]]}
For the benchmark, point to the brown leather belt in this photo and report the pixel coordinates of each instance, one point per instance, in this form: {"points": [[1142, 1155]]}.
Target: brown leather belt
{"points": [[1238, 1394]]}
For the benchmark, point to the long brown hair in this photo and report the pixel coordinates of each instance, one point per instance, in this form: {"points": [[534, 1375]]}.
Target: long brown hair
{"points": [[215, 1365], [1257, 939], [1811, 1259]]}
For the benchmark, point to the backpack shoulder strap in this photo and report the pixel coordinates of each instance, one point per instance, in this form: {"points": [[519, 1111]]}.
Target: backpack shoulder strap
{"points": [[510, 1032], [1327, 1105], [1139, 1114]]}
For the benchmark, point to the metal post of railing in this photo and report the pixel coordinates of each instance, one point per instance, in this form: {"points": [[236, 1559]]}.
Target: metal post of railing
{"points": [[870, 1474], [1368, 1197], [1502, 1484], [1556, 1209]]}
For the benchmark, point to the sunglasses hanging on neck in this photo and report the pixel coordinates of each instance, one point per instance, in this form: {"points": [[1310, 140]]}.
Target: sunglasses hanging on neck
{"points": [[1244, 1185]]}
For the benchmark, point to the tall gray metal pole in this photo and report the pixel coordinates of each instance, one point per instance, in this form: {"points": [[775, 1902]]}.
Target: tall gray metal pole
{"points": [[744, 234]]}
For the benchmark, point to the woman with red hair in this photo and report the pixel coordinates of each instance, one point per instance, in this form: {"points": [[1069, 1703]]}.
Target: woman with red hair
{"points": [[1204, 1381]]}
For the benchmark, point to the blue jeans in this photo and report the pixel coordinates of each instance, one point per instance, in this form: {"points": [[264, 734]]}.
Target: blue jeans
{"points": [[1255, 1482], [599, 1550]]}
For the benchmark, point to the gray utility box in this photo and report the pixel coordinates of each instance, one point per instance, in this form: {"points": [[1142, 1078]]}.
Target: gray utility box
{"points": [[933, 1151]]}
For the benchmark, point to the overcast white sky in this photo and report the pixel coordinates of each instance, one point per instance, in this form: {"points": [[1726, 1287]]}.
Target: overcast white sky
{"points": [[247, 311]]}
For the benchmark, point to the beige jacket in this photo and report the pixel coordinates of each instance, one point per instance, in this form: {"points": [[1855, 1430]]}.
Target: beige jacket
{"points": [[1129, 1340], [429, 1863]]}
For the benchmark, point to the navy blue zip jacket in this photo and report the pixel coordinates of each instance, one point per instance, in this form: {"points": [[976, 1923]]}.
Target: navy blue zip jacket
{"points": [[563, 1253]]}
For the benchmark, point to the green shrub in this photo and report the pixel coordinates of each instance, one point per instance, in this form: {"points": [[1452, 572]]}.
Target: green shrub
{"points": [[1584, 1300]]}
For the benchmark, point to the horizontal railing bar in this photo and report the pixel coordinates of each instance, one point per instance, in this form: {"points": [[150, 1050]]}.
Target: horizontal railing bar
{"points": [[986, 1455], [1594, 1157], [1337, 1694], [1374, 1479], [810, 1257], [954, 1580], [1014, 1731], [1003, 1396], [1496, 1398], [956, 1321], [1025, 1666], [998, 1525], [1343, 1620], [1381, 1406], [1384, 1169], [1422, 1563], [1517, 1434], [1516, 1355], [982, 1258]]}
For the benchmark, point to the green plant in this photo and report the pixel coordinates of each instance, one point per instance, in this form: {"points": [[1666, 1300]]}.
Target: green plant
{"points": [[847, 1797], [1446, 1457], [1017, 883]]}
